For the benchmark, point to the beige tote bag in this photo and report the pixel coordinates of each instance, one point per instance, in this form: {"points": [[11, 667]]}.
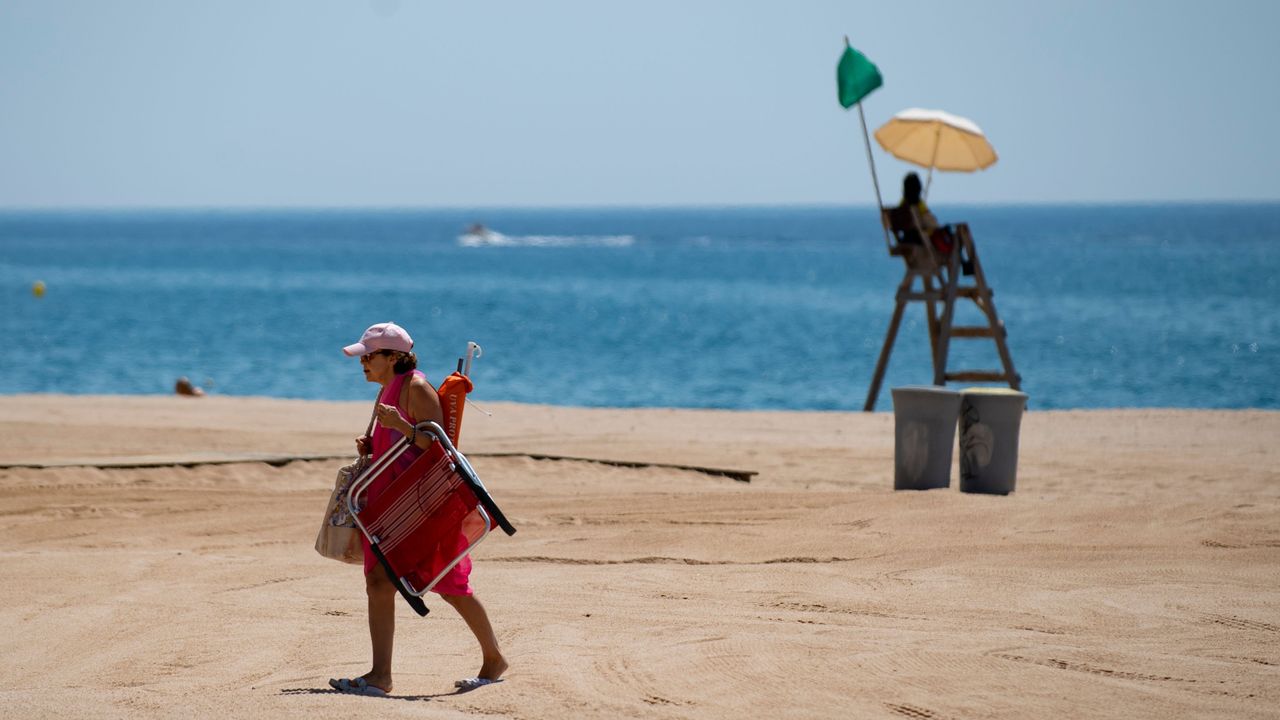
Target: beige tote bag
{"points": [[339, 538]]}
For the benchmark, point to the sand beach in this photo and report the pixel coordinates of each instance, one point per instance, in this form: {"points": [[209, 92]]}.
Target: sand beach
{"points": [[1133, 574]]}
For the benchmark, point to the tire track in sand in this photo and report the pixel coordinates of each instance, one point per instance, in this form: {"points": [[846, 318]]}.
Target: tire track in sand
{"points": [[662, 560]]}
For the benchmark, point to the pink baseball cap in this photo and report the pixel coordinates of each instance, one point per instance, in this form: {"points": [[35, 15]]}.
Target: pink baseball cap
{"points": [[383, 336]]}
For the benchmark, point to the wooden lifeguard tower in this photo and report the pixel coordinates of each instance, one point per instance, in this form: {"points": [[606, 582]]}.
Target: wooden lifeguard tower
{"points": [[942, 282]]}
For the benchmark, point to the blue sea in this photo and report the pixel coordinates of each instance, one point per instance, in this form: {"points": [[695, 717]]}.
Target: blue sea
{"points": [[716, 307]]}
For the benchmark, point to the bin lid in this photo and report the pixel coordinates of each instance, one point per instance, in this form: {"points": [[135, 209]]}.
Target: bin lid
{"points": [[993, 391]]}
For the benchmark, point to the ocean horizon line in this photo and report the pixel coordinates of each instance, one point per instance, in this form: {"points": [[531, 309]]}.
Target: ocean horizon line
{"points": [[881, 408], [123, 210]]}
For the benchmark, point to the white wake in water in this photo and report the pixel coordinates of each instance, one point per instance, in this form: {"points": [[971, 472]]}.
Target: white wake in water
{"points": [[492, 238]]}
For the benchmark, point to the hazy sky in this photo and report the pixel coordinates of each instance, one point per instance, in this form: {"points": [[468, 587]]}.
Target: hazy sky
{"points": [[425, 103]]}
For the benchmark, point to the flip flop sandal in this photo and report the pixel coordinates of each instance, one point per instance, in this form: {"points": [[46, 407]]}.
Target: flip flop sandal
{"points": [[360, 686], [474, 682]]}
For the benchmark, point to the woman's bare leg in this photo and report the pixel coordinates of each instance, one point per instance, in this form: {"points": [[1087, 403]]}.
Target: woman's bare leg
{"points": [[382, 626], [472, 612]]}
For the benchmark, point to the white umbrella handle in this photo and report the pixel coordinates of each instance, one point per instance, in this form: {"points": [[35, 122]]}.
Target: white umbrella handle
{"points": [[473, 350]]}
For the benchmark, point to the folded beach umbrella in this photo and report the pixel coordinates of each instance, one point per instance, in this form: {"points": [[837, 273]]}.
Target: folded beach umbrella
{"points": [[453, 393], [453, 398], [936, 139]]}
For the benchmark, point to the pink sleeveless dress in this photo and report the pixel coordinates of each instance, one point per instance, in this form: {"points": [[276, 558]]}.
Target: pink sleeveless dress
{"points": [[457, 582]]}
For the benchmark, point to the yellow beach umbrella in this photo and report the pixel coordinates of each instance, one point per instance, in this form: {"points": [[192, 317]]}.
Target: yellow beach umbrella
{"points": [[936, 139]]}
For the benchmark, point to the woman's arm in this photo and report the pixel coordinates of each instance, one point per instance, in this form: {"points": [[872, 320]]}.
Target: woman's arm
{"points": [[424, 404]]}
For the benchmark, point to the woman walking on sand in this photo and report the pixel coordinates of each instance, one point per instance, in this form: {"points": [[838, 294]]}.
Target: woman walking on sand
{"points": [[386, 356]]}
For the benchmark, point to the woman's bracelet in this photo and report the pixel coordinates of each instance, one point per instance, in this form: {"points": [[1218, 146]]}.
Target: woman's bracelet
{"points": [[413, 435]]}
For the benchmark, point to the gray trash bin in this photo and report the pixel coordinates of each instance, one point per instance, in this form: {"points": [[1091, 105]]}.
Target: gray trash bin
{"points": [[989, 423], [924, 420]]}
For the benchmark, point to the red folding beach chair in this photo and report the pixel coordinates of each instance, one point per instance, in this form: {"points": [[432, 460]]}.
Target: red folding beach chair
{"points": [[427, 518]]}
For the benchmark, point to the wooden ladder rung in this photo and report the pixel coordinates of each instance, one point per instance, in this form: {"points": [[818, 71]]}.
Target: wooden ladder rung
{"points": [[973, 331], [972, 292], [934, 296], [978, 376]]}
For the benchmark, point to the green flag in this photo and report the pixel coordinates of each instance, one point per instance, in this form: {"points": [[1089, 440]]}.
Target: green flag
{"points": [[856, 77]]}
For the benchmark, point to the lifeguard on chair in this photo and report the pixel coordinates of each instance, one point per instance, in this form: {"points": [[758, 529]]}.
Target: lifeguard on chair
{"points": [[911, 222]]}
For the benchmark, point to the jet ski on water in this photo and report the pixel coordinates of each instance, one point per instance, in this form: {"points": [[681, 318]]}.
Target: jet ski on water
{"points": [[479, 236]]}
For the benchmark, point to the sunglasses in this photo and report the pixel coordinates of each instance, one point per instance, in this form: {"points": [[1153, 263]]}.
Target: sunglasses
{"points": [[375, 353]]}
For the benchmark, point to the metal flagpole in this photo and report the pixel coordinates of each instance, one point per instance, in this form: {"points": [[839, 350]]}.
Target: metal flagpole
{"points": [[866, 139]]}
